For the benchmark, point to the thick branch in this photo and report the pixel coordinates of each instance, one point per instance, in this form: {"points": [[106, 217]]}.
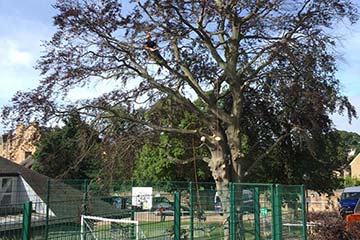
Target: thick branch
{"points": [[271, 148]]}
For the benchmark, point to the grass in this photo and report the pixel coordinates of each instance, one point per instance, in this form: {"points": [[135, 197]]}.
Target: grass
{"points": [[156, 229]]}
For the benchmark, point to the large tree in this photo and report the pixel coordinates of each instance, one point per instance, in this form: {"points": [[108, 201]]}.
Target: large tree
{"points": [[264, 70]]}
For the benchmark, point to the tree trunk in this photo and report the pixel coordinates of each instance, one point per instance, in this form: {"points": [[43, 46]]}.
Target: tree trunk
{"points": [[225, 166], [220, 170]]}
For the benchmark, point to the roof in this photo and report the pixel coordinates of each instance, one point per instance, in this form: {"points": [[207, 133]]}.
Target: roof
{"points": [[8, 167], [352, 189], [65, 200], [357, 158]]}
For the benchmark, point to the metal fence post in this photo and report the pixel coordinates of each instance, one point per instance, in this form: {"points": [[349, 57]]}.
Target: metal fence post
{"points": [[132, 213], [85, 205], [303, 206], [177, 214], [85, 198], [47, 202], [257, 213], [232, 224], [132, 217], [26, 221], [276, 213], [191, 211], [272, 199]]}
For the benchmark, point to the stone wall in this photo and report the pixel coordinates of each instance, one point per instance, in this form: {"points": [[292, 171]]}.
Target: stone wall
{"points": [[321, 202], [19, 144]]}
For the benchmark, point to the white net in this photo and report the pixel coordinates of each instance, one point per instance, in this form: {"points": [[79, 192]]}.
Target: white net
{"points": [[99, 228]]}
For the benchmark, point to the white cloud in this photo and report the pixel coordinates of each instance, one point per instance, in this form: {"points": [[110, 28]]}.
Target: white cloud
{"points": [[20, 57], [19, 49], [16, 69], [12, 55]]}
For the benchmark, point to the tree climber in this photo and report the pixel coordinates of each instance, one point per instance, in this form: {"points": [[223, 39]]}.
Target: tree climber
{"points": [[153, 50]]}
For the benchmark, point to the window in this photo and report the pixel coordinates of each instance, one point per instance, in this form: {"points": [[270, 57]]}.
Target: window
{"points": [[6, 185], [7, 190], [350, 195], [27, 154]]}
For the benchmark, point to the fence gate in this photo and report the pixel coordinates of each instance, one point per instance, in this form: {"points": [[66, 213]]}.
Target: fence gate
{"points": [[267, 212]]}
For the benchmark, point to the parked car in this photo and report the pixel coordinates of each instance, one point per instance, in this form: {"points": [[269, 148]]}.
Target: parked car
{"points": [[156, 200], [118, 202], [348, 200], [247, 202], [168, 206], [121, 203]]}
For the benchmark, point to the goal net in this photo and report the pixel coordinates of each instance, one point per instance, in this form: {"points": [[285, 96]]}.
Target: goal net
{"points": [[98, 228]]}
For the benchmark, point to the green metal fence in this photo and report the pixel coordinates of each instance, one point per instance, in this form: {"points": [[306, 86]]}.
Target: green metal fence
{"points": [[178, 210], [266, 211]]}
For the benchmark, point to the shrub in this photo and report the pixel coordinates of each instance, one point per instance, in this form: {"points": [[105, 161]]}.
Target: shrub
{"points": [[331, 226]]}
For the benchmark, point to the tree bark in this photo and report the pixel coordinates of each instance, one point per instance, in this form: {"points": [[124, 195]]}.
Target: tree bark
{"points": [[222, 173]]}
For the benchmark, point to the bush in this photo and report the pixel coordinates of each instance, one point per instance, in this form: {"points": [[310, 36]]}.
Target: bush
{"points": [[351, 181], [331, 226]]}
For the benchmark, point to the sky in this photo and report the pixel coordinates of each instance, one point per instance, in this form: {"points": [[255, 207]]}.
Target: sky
{"points": [[24, 24]]}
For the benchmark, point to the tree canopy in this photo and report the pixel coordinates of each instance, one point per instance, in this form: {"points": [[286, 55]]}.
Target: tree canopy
{"points": [[72, 151], [263, 70], [349, 145]]}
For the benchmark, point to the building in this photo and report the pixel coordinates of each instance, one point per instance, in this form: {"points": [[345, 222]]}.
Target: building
{"points": [[19, 145], [18, 185], [355, 167], [54, 202]]}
